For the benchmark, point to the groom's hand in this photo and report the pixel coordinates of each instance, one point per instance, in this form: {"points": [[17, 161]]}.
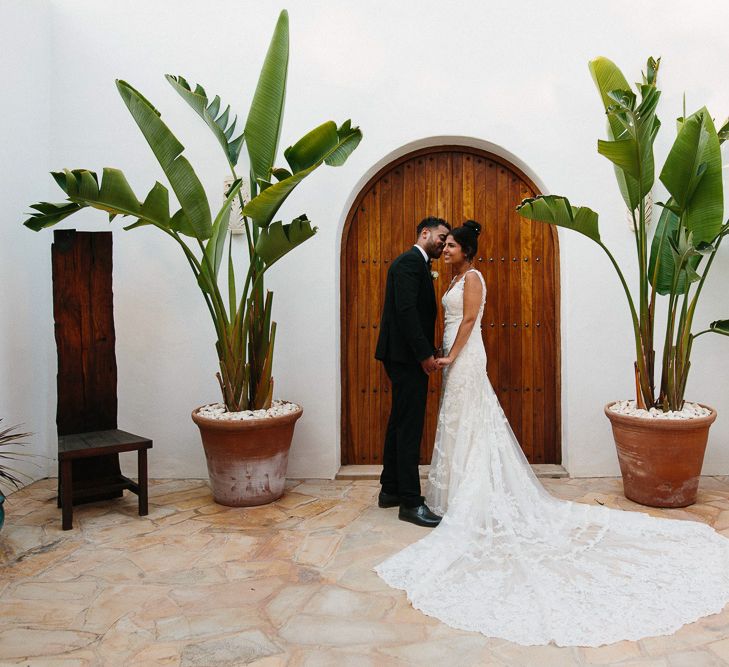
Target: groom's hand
{"points": [[429, 365]]}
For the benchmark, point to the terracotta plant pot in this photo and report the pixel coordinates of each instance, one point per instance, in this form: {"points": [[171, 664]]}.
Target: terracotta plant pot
{"points": [[247, 459], [660, 459]]}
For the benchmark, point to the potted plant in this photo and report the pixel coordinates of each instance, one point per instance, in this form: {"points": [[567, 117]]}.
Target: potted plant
{"points": [[660, 438], [247, 437], [9, 437]]}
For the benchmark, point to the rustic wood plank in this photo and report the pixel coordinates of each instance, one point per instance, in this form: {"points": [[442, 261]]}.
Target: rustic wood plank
{"points": [[549, 350], [372, 370], [376, 290], [363, 360], [456, 188], [431, 208], [481, 260], [83, 313], [349, 358], [556, 350], [489, 244], [526, 262], [479, 197], [409, 222], [515, 295], [397, 246], [503, 388], [540, 349], [469, 199], [420, 203], [346, 347]]}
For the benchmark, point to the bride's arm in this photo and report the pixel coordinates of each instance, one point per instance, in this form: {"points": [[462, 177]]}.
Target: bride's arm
{"points": [[472, 293]]}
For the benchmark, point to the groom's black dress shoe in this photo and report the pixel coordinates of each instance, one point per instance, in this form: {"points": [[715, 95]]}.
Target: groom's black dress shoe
{"points": [[420, 516], [388, 499]]}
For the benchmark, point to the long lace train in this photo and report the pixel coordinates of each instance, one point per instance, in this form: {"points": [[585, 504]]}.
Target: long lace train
{"points": [[511, 561]]}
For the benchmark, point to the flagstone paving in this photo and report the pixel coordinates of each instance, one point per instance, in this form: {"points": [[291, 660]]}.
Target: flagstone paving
{"points": [[196, 583]]}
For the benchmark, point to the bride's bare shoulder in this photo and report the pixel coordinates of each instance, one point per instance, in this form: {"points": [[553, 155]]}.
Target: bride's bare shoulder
{"points": [[473, 277], [474, 284]]}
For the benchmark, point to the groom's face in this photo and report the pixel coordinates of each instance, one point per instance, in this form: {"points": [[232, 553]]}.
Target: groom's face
{"points": [[434, 239]]}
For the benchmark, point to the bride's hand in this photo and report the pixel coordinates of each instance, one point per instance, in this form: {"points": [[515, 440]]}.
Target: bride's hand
{"points": [[443, 362]]}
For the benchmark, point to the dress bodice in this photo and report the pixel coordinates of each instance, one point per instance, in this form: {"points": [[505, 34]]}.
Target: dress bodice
{"points": [[452, 303]]}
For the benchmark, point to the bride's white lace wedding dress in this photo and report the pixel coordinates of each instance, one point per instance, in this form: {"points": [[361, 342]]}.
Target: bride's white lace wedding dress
{"points": [[511, 561]]}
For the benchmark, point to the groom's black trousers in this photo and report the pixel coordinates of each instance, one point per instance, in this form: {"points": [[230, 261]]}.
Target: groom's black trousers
{"points": [[400, 474]]}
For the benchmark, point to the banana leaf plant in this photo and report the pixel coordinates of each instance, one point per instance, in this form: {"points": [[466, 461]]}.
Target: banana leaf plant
{"points": [[10, 437], [242, 317], [675, 261]]}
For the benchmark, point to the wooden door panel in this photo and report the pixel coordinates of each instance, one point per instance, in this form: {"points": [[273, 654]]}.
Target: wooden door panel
{"points": [[519, 262]]}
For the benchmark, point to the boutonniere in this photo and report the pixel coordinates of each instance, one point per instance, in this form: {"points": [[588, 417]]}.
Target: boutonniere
{"points": [[434, 275]]}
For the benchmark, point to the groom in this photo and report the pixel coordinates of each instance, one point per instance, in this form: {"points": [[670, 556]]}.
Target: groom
{"points": [[406, 347]]}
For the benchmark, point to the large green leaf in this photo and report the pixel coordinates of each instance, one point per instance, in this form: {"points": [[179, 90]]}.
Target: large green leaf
{"points": [[348, 139], [115, 196], [557, 210], [208, 111], [311, 148], [157, 205], [48, 214], [665, 230], [327, 143], [628, 147], [632, 150], [686, 255], [670, 253], [278, 239], [216, 243], [324, 144], [692, 174], [608, 77], [167, 149], [263, 126]]}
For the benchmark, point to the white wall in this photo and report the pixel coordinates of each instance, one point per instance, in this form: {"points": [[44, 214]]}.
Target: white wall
{"points": [[27, 370], [513, 74]]}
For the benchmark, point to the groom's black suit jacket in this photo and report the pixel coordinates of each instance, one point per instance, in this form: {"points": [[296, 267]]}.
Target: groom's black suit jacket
{"points": [[407, 327]]}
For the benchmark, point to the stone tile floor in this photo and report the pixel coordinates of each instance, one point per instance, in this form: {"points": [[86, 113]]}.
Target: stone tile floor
{"points": [[195, 583]]}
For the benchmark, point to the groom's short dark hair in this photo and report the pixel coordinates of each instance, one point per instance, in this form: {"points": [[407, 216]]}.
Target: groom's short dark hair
{"points": [[432, 222]]}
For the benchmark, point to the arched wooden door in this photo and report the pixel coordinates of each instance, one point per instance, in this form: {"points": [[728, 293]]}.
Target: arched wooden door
{"points": [[519, 260]]}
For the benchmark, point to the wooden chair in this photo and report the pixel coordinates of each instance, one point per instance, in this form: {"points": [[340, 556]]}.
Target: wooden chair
{"points": [[99, 443], [89, 441]]}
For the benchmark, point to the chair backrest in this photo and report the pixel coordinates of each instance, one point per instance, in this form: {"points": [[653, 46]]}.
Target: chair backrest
{"points": [[83, 313]]}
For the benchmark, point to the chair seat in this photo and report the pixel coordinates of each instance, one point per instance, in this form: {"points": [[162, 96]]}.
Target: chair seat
{"points": [[97, 443]]}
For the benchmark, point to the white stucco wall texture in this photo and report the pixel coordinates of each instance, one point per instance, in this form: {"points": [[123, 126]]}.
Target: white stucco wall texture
{"points": [[510, 77]]}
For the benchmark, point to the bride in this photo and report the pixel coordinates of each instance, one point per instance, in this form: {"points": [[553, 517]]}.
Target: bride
{"points": [[511, 561]]}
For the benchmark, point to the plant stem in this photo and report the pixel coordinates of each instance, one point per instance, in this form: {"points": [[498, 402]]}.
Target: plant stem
{"points": [[640, 359], [667, 374]]}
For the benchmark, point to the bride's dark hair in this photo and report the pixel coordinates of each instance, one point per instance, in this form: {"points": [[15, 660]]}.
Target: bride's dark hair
{"points": [[466, 236]]}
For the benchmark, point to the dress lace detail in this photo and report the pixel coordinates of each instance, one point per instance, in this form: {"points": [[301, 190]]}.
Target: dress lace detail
{"points": [[511, 561]]}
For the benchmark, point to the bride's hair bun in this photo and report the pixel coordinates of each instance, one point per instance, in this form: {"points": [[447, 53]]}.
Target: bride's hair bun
{"points": [[474, 226], [466, 236]]}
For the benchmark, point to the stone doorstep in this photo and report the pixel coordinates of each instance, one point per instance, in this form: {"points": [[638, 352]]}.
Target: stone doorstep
{"points": [[547, 470]]}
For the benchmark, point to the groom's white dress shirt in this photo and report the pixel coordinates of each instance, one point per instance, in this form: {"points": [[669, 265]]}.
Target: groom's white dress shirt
{"points": [[423, 253]]}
